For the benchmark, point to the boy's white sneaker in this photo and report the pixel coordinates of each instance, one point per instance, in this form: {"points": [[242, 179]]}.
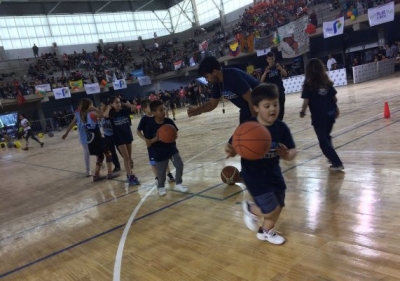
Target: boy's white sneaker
{"points": [[270, 236], [162, 191], [250, 220], [181, 188]]}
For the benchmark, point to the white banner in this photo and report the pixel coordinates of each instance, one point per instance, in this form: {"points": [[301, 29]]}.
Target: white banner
{"points": [[120, 84], [62, 93], [43, 88], [263, 52], [333, 28], [381, 14], [144, 80], [294, 41], [92, 88]]}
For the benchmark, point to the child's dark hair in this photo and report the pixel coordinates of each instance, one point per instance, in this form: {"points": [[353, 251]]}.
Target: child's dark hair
{"points": [[316, 76], [270, 55], [264, 91], [145, 103], [155, 104], [208, 65]]}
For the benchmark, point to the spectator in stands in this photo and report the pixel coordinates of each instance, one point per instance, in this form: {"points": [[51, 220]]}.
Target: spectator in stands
{"points": [[273, 74], [313, 18], [331, 61], [35, 50]]}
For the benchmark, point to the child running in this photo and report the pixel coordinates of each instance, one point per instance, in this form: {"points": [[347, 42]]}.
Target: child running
{"points": [[263, 178], [163, 152], [120, 121], [28, 132], [144, 134], [320, 96]]}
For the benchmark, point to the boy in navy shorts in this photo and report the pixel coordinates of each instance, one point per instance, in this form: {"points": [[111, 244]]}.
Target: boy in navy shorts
{"points": [[163, 152], [144, 134], [263, 178]]}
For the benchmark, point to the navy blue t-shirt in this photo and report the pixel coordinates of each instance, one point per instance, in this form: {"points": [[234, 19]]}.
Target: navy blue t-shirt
{"points": [[265, 175], [236, 83], [274, 77], [322, 105], [120, 122], [162, 151]]}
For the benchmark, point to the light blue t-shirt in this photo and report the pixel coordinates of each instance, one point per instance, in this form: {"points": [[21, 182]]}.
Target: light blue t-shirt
{"points": [[81, 126]]}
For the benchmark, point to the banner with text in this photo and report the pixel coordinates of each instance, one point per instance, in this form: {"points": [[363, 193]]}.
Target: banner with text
{"points": [[294, 39], [333, 28], [120, 84], [93, 88], [61, 93], [381, 14], [137, 72], [144, 80]]}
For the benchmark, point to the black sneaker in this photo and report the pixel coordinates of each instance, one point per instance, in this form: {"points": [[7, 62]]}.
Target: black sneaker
{"points": [[41, 144], [116, 169], [25, 148]]}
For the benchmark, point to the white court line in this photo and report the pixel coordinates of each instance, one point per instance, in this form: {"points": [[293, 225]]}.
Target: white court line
{"points": [[120, 251]]}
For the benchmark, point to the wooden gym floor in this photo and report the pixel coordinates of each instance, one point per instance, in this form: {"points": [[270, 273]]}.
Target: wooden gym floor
{"points": [[55, 224]]}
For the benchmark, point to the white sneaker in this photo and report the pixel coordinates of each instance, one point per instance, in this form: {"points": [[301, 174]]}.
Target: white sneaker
{"points": [[162, 191], [336, 168], [270, 236], [250, 220], [181, 188]]}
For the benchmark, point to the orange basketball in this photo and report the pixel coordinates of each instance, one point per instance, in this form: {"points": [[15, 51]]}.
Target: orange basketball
{"points": [[167, 133], [93, 116], [251, 140], [230, 175]]}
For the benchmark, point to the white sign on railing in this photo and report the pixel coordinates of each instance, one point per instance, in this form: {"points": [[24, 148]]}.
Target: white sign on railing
{"points": [[61, 93], [381, 14], [91, 89]]}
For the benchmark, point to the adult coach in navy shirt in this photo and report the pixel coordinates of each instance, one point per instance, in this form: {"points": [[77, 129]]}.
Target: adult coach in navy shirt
{"points": [[233, 84]]}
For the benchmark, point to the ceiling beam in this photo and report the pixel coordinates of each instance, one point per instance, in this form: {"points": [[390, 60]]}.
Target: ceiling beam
{"points": [[55, 7], [102, 7]]}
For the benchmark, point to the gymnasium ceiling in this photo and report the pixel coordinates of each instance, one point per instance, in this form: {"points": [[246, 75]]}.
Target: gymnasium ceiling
{"points": [[40, 7]]}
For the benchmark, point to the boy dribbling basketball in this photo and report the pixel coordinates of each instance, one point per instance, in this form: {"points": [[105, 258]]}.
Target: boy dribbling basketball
{"points": [[263, 178], [163, 152], [143, 132]]}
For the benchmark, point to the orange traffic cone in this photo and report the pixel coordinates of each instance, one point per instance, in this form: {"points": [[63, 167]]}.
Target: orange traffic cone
{"points": [[386, 110]]}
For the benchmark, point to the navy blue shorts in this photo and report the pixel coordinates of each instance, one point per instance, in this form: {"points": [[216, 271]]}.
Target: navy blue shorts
{"points": [[269, 201]]}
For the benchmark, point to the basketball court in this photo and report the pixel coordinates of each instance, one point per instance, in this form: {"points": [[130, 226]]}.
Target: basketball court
{"points": [[56, 224]]}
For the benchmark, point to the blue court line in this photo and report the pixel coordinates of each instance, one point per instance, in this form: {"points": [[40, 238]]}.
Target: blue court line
{"points": [[103, 233], [184, 199]]}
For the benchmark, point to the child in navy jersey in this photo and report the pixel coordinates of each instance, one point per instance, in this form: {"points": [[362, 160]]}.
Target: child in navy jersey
{"points": [[320, 96], [163, 152], [263, 178], [144, 133], [120, 120]]}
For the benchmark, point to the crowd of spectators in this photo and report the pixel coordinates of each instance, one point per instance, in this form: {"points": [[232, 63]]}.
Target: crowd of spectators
{"points": [[265, 17]]}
